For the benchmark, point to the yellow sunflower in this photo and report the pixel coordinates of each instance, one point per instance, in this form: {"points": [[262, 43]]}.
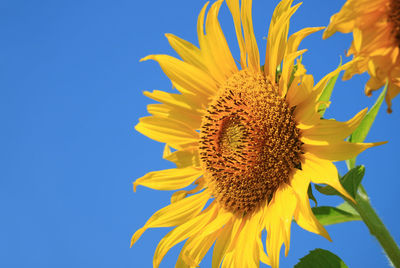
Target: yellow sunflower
{"points": [[249, 138], [376, 33]]}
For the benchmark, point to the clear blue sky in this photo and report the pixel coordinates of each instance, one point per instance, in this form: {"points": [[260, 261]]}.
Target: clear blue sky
{"points": [[70, 94]]}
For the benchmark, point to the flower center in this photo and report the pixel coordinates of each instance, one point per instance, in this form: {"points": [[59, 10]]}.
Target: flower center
{"points": [[394, 17], [249, 142]]}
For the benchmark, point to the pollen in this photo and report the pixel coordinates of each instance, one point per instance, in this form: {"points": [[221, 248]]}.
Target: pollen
{"points": [[394, 18], [249, 142]]}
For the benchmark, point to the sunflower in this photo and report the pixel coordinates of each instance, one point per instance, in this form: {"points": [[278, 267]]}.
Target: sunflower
{"points": [[250, 140], [376, 33]]}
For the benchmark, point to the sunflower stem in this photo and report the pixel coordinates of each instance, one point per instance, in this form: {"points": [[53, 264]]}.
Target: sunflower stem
{"points": [[376, 226]]}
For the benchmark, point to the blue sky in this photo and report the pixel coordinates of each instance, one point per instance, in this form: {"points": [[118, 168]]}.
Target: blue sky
{"points": [[70, 94]]}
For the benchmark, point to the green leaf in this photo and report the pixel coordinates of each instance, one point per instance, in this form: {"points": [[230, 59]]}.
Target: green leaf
{"points": [[348, 208], [362, 130], [331, 215], [311, 195], [326, 190], [295, 67], [320, 258], [350, 182], [278, 73], [327, 92]]}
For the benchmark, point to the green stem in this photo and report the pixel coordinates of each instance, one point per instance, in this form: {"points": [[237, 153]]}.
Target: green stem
{"points": [[376, 226]]}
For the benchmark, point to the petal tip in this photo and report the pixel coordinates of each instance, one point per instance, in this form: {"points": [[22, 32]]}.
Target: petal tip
{"points": [[149, 57]]}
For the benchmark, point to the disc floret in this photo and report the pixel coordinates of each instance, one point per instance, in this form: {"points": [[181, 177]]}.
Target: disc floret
{"points": [[249, 142]]}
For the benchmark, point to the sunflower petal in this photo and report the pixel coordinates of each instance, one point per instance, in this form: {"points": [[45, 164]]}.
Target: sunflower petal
{"points": [[296, 38], [279, 218], [179, 195], [226, 238], [196, 248], [184, 158], [182, 232], [246, 251], [221, 52], [190, 103], [187, 51], [185, 75], [175, 214], [253, 55], [307, 109], [263, 256], [277, 39], [338, 151], [167, 130], [300, 89], [169, 179], [332, 130], [287, 70], [303, 214], [323, 171], [191, 120], [234, 8], [206, 48]]}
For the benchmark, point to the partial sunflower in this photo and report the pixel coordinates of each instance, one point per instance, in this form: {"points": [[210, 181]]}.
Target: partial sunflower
{"points": [[376, 41], [250, 138]]}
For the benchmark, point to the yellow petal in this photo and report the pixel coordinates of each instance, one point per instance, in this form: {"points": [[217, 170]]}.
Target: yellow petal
{"points": [[332, 130], [277, 39], [196, 248], [180, 263], [343, 21], [169, 179], [184, 158], [182, 232], [191, 120], [187, 76], [300, 89], [296, 38], [319, 87], [263, 256], [179, 195], [191, 103], [234, 8], [222, 218], [175, 214], [274, 242], [221, 52], [224, 241], [357, 39], [229, 260], [246, 252], [253, 56], [287, 70], [338, 151], [187, 51], [323, 171], [307, 109], [304, 216], [206, 48], [167, 130], [279, 218]]}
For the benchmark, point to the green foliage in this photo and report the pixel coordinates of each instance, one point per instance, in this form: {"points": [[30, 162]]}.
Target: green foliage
{"points": [[295, 67], [320, 258], [348, 208], [326, 94], [361, 132], [311, 195], [331, 215], [350, 182], [278, 73]]}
